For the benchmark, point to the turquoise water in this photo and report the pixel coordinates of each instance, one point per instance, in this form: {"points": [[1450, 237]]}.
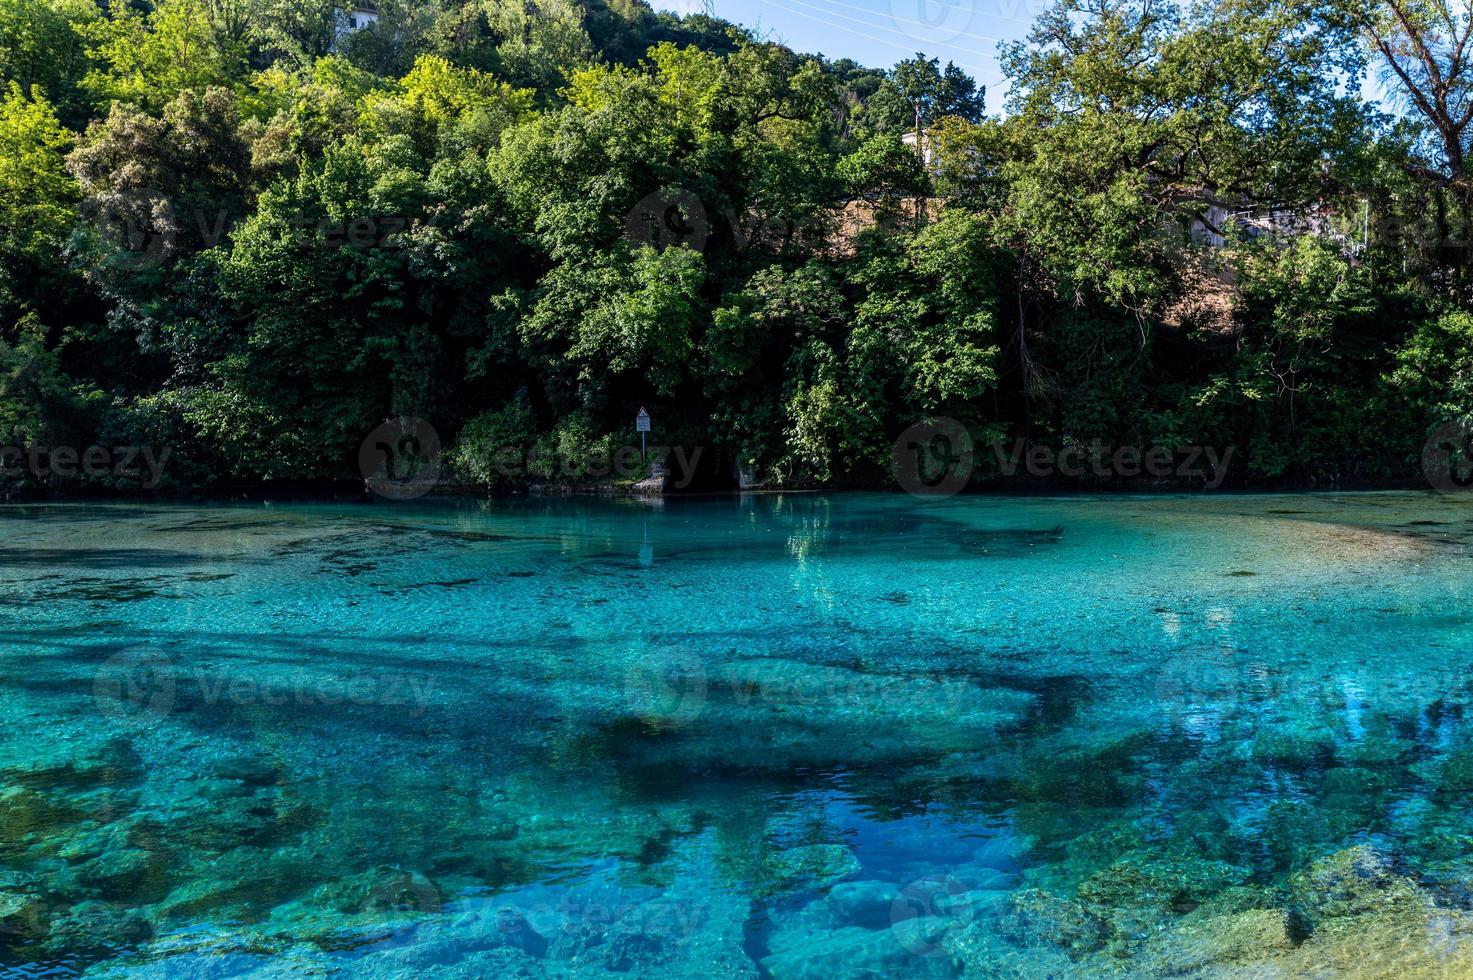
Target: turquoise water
{"points": [[783, 735]]}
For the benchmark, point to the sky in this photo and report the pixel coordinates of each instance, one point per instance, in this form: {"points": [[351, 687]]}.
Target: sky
{"points": [[879, 33]]}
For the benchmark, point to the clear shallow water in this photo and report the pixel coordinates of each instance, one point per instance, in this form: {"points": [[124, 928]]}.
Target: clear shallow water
{"points": [[777, 736]]}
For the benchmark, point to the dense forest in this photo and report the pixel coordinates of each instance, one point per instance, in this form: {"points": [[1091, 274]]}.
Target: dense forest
{"points": [[248, 232]]}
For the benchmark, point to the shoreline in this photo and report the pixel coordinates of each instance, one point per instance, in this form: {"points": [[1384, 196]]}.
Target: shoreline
{"points": [[1030, 490]]}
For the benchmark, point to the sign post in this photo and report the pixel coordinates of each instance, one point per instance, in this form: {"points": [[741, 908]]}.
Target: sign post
{"points": [[642, 425]]}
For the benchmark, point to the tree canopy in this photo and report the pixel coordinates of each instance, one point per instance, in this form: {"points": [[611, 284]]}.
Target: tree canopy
{"points": [[252, 232]]}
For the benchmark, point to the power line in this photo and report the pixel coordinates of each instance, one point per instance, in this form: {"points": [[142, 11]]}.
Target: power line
{"points": [[910, 48]]}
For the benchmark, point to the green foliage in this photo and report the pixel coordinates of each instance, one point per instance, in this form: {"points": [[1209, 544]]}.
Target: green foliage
{"points": [[1433, 373], [246, 231], [572, 451], [36, 193], [42, 44], [148, 59], [493, 447]]}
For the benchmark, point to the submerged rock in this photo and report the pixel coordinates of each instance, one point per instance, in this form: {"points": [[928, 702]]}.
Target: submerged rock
{"points": [[864, 903], [602, 927], [1293, 750], [1376, 751], [1168, 884], [24, 915], [131, 873], [383, 890], [1356, 785], [1104, 845], [812, 866], [1238, 938], [1405, 942], [1351, 882], [1102, 775], [1295, 831], [246, 769], [1456, 776], [96, 924], [982, 951], [30, 818], [1035, 916], [848, 952]]}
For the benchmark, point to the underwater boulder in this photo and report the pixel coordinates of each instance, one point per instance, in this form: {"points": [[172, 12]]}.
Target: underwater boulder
{"points": [[1455, 778], [1295, 831], [1164, 883], [981, 951], [1234, 939], [1104, 845], [1098, 775], [97, 924], [1293, 750], [221, 896], [1376, 751], [1004, 853], [91, 841], [1405, 941], [29, 818], [442, 951], [612, 925], [505, 963], [811, 866], [1352, 882], [384, 889], [73, 767], [863, 903], [129, 873], [1354, 782], [849, 952], [248, 770], [24, 913], [1035, 916]]}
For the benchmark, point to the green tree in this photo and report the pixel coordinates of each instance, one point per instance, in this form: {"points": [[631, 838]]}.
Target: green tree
{"points": [[150, 59]]}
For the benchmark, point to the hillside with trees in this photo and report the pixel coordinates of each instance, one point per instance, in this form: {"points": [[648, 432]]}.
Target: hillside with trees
{"points": [[250, 233]]}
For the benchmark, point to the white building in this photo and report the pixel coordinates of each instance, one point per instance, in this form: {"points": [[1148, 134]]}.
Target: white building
{"points": [[356, 19], [1259, 222], [928, 152]]}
